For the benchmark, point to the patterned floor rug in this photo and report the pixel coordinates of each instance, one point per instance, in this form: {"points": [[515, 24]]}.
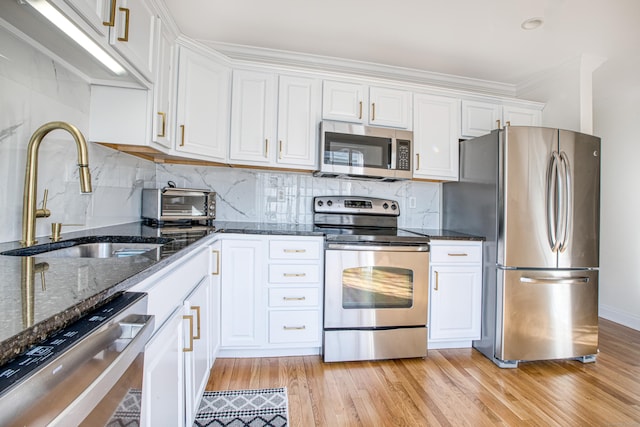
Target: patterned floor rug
{"points": [[243, 408], [236, 408]]}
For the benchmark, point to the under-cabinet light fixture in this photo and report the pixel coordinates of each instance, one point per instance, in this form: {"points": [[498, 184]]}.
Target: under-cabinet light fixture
{"points": [[70, 29]]}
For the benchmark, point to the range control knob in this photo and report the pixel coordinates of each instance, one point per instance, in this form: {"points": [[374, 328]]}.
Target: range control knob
{"points": [[329, 203], [320, 203], [385, 205], [394, 207]]}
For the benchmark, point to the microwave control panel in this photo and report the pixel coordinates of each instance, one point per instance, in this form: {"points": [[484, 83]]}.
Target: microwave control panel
{"points": [[404, 155]]}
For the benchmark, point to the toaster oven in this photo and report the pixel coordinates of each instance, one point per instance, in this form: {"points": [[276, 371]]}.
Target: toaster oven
{"points": [[171, 204]]}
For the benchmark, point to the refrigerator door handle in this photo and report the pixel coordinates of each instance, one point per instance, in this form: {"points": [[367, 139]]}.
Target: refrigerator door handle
{"points": [[555, 280], [553, 225], [567, 205]]}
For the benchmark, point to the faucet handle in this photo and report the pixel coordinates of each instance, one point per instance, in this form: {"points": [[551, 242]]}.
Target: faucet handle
{"points": [[44, 212], [56, 228]]}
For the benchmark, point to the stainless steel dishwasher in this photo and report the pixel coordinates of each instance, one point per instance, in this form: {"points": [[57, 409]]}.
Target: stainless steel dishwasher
{"points": [[89, 373]]}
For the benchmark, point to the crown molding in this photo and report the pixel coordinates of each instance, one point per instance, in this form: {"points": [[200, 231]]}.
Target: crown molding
{"points": [[307, 61]]}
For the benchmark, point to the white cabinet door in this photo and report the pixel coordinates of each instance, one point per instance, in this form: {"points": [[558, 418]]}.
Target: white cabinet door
{"points": [[243, 310], [202, 110], [216, 285], [253, 117], [359, 103], [133, 34], [197, 312], [97, 13], [455, 302], [163, 376], [479, 118], [390, 107], [163, 120], [436, 132], [298, 118], [517, 116], [344, 101]]}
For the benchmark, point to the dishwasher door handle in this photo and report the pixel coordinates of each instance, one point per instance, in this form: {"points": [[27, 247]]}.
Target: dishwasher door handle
{"points": [[367, 247]]}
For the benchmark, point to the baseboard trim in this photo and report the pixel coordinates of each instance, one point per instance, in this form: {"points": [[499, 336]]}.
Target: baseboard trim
{"points": [[619, 316]]}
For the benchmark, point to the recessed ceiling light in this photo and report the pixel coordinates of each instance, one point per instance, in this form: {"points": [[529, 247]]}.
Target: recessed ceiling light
{"points": [[532, 23]]}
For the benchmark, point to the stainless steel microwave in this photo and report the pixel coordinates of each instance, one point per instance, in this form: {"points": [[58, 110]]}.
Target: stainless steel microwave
{"points": [[357, 151], [170, 204]]}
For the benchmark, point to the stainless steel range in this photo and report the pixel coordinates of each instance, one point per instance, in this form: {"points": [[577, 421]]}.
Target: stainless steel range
{"points": [[376, 281]]}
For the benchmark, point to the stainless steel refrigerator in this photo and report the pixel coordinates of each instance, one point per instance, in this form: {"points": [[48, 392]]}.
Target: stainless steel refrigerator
{"points": [[534, 193]]}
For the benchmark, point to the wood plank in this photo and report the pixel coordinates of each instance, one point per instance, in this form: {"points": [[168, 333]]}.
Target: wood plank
{"points": [[452, 388]]}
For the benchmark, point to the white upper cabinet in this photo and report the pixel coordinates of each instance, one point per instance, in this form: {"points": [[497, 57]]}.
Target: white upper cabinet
{"points": [[359, 103], [95, 12], [436, 126], [480, 118], [274, 120], [202, 106], [163, 99], [133, 33]]}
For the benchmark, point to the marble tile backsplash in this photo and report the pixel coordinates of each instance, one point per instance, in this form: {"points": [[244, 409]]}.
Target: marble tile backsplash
{"points": [[287, 197], [35, 90]]}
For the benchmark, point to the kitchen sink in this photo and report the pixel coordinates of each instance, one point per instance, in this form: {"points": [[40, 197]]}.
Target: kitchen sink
{"points": [[95, 247]]}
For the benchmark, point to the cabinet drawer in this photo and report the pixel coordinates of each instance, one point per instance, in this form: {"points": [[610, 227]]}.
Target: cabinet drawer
{"points": [[293, 297], [456, 254], [292, 273], [294, 326], [295, 249]]}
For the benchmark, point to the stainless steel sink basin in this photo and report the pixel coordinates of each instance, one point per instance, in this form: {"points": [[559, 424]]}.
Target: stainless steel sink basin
{"points": [[96, 247], [103, 250]]}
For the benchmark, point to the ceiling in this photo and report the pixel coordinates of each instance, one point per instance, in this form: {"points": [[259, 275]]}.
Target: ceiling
{"points": [[469, 38]]}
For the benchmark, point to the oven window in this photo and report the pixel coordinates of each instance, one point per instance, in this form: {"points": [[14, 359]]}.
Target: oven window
{"points": [[183, 205], [377, 287]]}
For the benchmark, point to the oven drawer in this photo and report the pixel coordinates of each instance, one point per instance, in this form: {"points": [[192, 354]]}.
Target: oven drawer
{"points": [[456, 253], [293, 297], [294, 273], [294, 326], [295, 249]]}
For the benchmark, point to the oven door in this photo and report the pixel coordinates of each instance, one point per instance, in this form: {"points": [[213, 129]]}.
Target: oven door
{"points": [[375, 286]]}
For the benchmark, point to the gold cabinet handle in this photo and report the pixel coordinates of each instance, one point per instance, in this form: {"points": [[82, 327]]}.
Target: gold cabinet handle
{"points": [[458, 254], [417, 161], [217, 253], [266, 148], [182, 136], [436, 286], [294, 328], [294, 298], [508, 123], [164, 122], [189, 317], [373, 111], [112, 15], [126, 25], [196, 308], [294, 274], [280, 149], [294, 251], [498, 123], [360, 114]]}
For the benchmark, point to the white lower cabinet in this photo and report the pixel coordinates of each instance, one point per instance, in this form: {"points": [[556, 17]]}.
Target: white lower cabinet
{"points": [[271, 295], [455, 293], [177, 359]]}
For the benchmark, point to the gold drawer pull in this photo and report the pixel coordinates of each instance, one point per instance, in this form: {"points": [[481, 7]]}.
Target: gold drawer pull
{"points": [[294, 298], [196, 308], [294, 274], [294, 251], [294, 328], [164, 124], [436, 287], [458, 254], [217, 254], [189, 317]]}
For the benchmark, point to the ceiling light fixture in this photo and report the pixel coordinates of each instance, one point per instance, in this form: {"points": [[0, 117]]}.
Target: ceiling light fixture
{"points": [[70, 29], [532, 23]]}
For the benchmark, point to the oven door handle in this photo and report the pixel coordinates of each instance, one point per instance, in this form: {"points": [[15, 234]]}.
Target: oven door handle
{"points": [[385, 248]]}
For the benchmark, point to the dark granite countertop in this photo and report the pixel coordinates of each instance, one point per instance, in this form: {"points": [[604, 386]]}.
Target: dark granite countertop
{"points": [[440, 234], [34, 308]]}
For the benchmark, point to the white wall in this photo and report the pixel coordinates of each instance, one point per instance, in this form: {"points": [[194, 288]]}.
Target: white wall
{"points": [[616, 121], [35, 90]]}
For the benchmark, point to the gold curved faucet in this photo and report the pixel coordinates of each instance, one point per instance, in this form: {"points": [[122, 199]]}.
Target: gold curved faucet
{"points": [[29, 210]]}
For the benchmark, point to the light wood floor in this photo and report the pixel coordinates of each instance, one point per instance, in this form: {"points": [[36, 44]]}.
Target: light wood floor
{"points": [[452, 388]]}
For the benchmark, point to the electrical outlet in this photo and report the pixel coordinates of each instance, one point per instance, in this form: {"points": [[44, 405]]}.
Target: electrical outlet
{"points": [[412, 202], [280, 196]]}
